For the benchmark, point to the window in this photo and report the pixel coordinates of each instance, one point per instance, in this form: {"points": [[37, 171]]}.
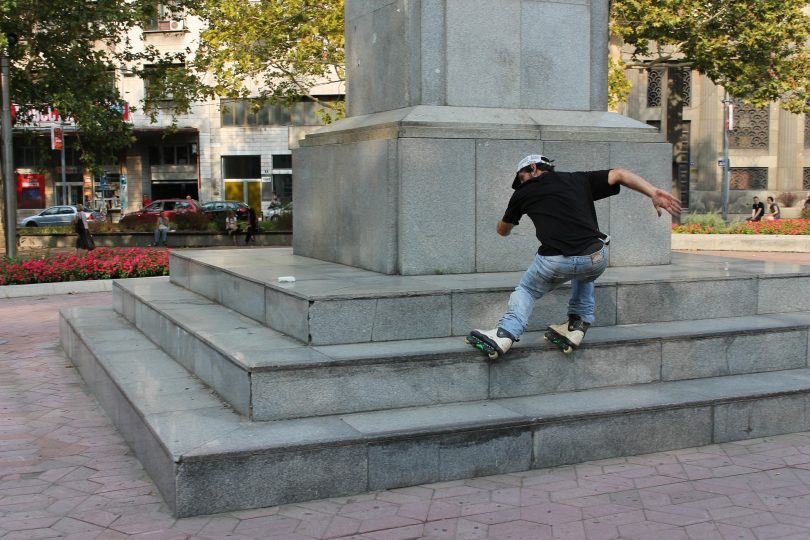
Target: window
{"points": [[171, 154], [166, 18], [28, 157], [241, 167], [248, 112], [283, 185], [282, 161], [748, 178], [751, 127]]}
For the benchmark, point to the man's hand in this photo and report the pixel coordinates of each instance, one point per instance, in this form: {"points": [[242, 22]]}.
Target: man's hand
{"points": [[504, 228], [666, 201]]}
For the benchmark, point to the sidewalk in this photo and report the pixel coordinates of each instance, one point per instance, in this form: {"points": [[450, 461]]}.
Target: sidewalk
{"points": [[65, 472]]}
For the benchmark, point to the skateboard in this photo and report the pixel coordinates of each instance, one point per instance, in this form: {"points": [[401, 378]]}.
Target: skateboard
{"points": [[491, 352], [561, 342]]}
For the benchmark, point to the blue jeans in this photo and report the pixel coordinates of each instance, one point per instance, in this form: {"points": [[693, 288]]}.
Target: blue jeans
{"points": [[546, 274], [161, 235]]}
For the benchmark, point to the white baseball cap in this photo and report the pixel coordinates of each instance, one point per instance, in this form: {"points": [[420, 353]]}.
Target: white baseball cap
{"points": [[528, 160], [533, 158]]}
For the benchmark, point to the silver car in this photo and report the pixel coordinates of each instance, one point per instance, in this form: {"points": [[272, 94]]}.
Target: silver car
{"points": [[57, 216]]}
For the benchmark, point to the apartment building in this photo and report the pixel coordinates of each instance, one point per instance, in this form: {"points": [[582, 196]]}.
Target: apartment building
{"points": [[769, 148], [222, 149]]}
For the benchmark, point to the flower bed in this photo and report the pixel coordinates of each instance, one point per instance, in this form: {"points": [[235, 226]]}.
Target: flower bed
{"points": [[101, 263], [789, 227]]}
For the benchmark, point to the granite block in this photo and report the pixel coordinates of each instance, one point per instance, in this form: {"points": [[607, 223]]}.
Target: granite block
{"points": [[684, 300], [555, 63], [570, 156], [783, 294], [483, 53], [450, 457], [346, 389], [341, 321], [600, 17], [242, 295], [412, 317], [639, 235], [760, 418], [288, 314], [315, 213], [495, 162], [221, 485], [622, 435], [179, 271], [204, 280], [434, 236], [694, 358], [433, 53], [230, 381], [477, 310]]}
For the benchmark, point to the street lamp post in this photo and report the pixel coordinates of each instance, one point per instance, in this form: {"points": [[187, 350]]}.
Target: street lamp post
{"points": [[8, 166], [727, 126]]}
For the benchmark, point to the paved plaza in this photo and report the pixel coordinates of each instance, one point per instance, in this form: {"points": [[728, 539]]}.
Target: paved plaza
{"points": [[66, 473]]}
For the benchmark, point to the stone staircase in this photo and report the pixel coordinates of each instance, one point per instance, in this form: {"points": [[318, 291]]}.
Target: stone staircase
{"points": [[237, 391]]}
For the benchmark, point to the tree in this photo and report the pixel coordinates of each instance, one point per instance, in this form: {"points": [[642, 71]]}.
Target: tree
{"points": [[755, 49], [276, 50], [65, 57]]}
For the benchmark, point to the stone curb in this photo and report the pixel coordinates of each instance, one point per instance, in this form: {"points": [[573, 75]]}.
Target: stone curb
{"points": [[64, 287], [741, 242]]}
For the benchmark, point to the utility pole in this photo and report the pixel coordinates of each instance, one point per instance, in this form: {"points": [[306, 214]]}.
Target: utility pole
{"points": [[728, 125], [8, 156]]}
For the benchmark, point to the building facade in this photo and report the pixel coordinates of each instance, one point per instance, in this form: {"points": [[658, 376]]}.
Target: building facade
{"points": [[769, 148], [222, 149]]}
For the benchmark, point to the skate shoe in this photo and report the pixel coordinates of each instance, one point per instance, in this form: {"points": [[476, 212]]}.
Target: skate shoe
{"points": [[494, 343], [567, 336]]}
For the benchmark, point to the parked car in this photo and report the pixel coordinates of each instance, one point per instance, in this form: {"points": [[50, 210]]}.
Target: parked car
{"points": [[217, 210], [58, 216], [149, 213], [275, 211]]}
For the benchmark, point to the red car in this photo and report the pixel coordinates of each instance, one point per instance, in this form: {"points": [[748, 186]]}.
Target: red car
{"points": [[149, 214]]}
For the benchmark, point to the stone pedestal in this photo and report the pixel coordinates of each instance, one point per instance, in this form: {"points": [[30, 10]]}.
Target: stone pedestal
{"points": [[444, 98]]}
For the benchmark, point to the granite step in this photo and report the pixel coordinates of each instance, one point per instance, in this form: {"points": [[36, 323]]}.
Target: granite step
{"points": [[332, 304], [206, 458], [266, 375]]}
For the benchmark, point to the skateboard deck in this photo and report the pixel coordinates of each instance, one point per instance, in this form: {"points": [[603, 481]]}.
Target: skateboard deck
{"points": [[480, 344], [561, 342]]}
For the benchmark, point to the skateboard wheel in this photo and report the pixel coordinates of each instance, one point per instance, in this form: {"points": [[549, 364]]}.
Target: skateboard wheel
{"points": [[493, 355], [469, 340], [567, 350], [547, 339]]}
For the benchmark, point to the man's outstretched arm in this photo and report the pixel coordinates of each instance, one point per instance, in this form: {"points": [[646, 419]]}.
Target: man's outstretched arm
{"points": [[661, 199]]}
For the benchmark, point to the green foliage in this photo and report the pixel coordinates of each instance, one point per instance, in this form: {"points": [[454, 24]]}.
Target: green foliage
{"points": [[756, 49], [283, 47], [619, 85], [712, 219], [64, 58], [189, 221]]}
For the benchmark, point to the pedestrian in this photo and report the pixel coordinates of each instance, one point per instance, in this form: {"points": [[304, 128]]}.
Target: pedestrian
{"points": [[561, 206], [162, 230], [774, 213], [84, 240], [757, 210], [253, 225], [231, 227]]}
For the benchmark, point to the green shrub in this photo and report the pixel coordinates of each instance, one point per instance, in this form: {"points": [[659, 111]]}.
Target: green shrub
{"points": [[189, 221], [712, 219], [788, 198]]}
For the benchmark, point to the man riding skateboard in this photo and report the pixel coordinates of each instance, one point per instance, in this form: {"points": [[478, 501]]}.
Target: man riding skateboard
{"points": [[561, 206]]}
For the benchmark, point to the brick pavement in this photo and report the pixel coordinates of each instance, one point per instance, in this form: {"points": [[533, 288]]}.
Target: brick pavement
{"points": [[65, 472]]}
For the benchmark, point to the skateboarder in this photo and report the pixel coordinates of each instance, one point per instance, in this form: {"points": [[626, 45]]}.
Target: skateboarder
{"points": [[572, 248]]}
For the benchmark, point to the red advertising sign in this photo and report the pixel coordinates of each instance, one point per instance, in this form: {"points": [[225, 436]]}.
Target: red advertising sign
{"points": [[57, 138]]}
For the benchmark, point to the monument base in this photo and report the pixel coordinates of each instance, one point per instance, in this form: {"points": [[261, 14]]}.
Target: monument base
{"points": [[226, 412], [418, 191]]}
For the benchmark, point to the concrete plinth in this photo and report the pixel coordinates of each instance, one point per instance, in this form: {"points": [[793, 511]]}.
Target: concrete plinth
{"points": [[444, 98]]}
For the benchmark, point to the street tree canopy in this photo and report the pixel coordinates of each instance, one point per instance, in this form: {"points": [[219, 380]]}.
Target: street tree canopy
{"points": [[277, 50], [63, 55], [755, 49]]}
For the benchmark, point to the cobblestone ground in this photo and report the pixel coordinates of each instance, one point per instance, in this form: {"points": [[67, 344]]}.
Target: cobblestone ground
{"points": [[65, 472]]}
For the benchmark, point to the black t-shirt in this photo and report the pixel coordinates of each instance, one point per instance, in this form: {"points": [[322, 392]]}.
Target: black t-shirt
{"points": [[561, 207], [759, 209]]}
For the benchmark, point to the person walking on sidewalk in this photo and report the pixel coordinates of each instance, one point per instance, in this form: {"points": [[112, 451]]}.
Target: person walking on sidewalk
{"points": [[252, 227], [561, 206]]}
